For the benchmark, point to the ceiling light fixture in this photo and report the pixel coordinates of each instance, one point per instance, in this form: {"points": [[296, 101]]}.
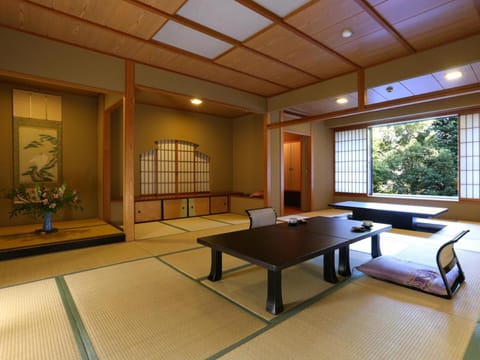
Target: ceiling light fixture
{"points": [[453, 75], [196, 101], [389, 89], [346, 33], [342, 100]]}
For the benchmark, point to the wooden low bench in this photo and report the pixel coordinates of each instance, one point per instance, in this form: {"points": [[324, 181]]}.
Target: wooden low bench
{"points": [[443, 281], [399, 216]]}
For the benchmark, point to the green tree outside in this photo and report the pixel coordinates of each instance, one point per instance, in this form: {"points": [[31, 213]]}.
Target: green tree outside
{"points": [[416, 158]]}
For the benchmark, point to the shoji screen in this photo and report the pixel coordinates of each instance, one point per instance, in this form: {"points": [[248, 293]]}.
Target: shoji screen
{"points": [[351, 166], [470, 156], [175, 166]]}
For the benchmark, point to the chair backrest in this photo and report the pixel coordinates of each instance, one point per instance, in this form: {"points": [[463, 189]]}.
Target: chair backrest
{"points": [[261, 217], [447, 262]]}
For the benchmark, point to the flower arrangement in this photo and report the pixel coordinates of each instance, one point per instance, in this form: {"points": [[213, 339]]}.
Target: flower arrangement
{"points": [[40, 200]]}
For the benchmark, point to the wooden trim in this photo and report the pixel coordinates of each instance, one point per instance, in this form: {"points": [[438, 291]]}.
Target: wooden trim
{"points": [[411, 100], [107, 166], [128, 152], [60, 85], [266, 161], [361, 93], [150, 42]]}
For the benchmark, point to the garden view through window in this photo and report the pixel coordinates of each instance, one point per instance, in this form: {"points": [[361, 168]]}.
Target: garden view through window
{"points": [[418, 158]]}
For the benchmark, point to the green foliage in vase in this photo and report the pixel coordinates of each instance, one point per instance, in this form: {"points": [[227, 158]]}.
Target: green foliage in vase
{"points": [[38, 200]]}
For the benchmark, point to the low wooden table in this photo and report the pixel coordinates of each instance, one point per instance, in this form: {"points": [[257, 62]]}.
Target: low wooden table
{"points": [[399, 216], [280, 246]]}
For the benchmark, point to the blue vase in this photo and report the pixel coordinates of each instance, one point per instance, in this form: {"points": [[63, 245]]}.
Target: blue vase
{"points": [[47, 222]]}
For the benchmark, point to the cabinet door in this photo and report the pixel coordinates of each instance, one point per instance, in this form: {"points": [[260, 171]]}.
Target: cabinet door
{"points": [[198, 206], [292, 166], [148, 210], [218, 204], [174, 208]]}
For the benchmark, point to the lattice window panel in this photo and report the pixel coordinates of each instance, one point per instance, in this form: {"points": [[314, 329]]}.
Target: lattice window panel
{"points": [[351, 161], [175, 166], [470, 156]]}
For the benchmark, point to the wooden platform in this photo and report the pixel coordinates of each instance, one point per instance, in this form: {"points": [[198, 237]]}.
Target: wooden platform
{"points": [[24, 240]]}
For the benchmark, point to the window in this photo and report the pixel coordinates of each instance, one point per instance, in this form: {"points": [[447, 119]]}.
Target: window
{"points": [[351, 161], [416, 158], [430, 157]]}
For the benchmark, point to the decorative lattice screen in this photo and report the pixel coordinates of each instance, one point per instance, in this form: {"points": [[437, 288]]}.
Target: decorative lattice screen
{"points": [[175, 166]]}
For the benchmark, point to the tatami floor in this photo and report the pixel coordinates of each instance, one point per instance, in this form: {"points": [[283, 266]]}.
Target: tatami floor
{"points": [[150, 299]]}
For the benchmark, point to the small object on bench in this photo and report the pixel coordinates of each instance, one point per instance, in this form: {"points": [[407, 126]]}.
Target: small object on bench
{"points": [[443, 281]]}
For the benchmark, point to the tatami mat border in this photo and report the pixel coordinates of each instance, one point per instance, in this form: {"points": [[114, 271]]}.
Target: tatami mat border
{"points": [[473, 350], [84, 344], [284, 316]]}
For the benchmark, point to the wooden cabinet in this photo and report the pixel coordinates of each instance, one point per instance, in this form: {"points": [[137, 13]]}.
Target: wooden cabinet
{"points": [[175, 208], [198, 206], [218, 204], [148, 210], [292, 166]]}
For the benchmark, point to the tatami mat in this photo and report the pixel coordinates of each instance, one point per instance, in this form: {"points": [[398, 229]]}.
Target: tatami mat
{"points": [[248, 286], [146, 310], [154, 229], [34, 324], [194, 223], [183, 241], [42, 266], [196, 263], [356, 323], [229, 218]]}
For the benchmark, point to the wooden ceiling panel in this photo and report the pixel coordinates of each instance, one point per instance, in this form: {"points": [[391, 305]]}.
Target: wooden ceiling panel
{"points": [[362, 25], [115, 14], [442, 24], [169, 6], [396, 11], [323, 14], [290, 48], [263, 67], [179, 63], [381, 47]]}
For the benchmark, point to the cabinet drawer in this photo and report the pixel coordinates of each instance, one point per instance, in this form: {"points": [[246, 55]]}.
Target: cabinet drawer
{"points": [[175, 208], [148, 210], [198, 206], [218, 204]]}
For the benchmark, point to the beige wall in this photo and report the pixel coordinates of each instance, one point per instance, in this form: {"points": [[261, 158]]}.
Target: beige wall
{"points": [[248, 158], [213, 135], [79, 114]]}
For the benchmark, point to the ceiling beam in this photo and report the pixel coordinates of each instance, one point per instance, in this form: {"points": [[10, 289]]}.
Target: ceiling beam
{"points": [[279, 21], [215, 34], [385, 105], [370, 10], [150, 42]]}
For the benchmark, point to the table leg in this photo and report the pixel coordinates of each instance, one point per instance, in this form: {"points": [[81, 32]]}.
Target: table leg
{"points": [[329, 267], [274, 292], [376, 251], [344, 261], [216, 266]]}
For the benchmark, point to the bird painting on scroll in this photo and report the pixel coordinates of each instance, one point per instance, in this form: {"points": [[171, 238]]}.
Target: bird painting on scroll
{"points": [[38, 151]]}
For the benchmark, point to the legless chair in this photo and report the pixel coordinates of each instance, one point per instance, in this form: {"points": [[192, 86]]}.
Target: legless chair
{"points": [[443, 281], [261, 217]]}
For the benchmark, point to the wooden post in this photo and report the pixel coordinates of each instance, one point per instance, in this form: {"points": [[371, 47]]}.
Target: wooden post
{"points": [[128, 152]]}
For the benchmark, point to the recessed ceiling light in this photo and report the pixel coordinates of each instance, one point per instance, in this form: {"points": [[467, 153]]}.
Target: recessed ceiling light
{"points": [[453, 75], [196, 101], [342, 100], [346, 33]]}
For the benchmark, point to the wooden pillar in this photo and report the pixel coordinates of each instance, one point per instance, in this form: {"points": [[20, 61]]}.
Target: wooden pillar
{"points": [[128, 152]]}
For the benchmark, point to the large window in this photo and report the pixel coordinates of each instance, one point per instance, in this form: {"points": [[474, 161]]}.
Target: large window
{"points": [[415, 158], [430, 157]]}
